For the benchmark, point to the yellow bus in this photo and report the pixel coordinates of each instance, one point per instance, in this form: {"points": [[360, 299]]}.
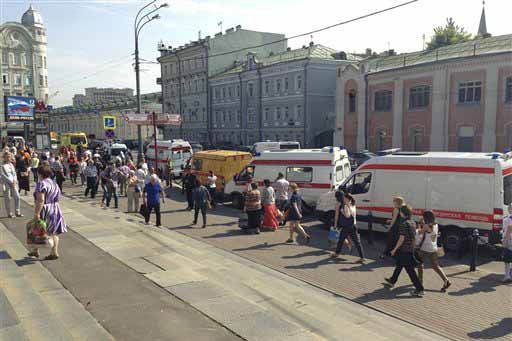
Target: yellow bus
{"points": [[73, 140]]}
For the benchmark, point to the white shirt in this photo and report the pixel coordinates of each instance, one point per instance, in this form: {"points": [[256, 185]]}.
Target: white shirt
{"points": [[506, 225], [8, 173], [281, 188], [429, 245], [211, 181]]}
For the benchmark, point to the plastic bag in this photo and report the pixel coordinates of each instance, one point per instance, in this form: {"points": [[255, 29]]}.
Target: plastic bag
{"points": [[36, 233], [334, 235]]}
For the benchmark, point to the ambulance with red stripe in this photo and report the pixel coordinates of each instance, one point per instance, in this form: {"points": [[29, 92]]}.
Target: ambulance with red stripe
{"points": [[466, 191], [179, 150], [315, 171]]}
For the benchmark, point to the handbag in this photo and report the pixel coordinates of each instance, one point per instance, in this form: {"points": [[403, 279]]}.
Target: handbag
{"points": [[334, 235], [37, 234], [416, 253], [440, 251], [143, 210]]}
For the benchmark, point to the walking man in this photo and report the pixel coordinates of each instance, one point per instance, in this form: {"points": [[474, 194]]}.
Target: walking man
{"points": [[152, 194]]}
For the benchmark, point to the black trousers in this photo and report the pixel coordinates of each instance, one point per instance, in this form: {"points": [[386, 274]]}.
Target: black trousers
{"points": [[91, 186], [36, 176], [405, 260], [190, 199], [352, 233], [391, 239], [254, 219], [198, 208], [156, 207]]}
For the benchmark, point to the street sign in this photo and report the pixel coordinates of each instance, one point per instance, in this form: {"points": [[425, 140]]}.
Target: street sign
{"points": [[109, 122], [109, 134]]}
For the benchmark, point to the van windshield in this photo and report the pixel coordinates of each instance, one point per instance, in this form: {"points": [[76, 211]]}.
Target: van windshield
{"points": [[75, 140], [289, 146], [507, 190]]}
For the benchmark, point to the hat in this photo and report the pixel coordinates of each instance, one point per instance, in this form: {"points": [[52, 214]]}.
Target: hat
{"points": [[96, 155]]}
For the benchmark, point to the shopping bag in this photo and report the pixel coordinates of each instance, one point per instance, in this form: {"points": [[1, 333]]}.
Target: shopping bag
{"points": [[36, 233], [279, 215], [440, 251], [143, 210], [334, 235]]}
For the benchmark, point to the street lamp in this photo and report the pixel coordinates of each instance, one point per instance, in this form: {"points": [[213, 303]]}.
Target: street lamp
{"points": [[138, 25]]}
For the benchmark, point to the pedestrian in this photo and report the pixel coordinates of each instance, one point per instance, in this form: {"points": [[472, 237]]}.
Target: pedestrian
{"points": [[294, 215], [189, 183], [82, 166], [201, 197], [169, 171], [281, 187], [58, 171], [22, 166], [92, 178], [34, 165], [74, 168], [393, 225], [507, 246], [124, 172], [112, 185], [10, 186], [133, 192], [47, 208], [152, 194], [253, 208], [211, 183], [427, 247], [141, 176], [268, 200], [345, 218], [104, 180], [403, 252]]}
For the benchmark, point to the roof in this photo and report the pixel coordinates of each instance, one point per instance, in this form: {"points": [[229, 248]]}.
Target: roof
{"points": [[302, 154], [32, 17], [477, 47], [220, 154], [319, 52]]}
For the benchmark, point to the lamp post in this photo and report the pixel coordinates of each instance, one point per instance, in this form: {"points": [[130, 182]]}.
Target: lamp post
{"points": [[138, 25]]}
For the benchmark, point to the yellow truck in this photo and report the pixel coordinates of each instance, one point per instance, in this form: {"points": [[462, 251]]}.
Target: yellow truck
{"points": [[73, 140], [225, 164]]}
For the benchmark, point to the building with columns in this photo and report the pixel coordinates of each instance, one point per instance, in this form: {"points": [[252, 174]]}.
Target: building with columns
{"points": [[186, 71], [23, 64], [287, 96], [454, 98]]}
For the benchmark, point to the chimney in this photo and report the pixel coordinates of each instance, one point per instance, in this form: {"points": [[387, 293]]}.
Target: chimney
{"points": [[229, 30], [304, 46], [218, 34], [311, 44], [238, 27], [368, 52], [288, 49]]}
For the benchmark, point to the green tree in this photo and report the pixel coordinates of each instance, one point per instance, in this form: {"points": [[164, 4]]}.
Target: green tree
{"points": [[448, 35]]}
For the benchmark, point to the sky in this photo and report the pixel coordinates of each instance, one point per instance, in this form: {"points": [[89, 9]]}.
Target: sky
{"points": [[91, 43]]}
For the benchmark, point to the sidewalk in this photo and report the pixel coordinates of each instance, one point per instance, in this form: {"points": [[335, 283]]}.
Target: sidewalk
{"points": [[476, 306], [251, 300], [34, 305]]}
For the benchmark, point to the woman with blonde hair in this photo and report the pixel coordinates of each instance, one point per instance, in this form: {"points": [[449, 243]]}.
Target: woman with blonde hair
{"points": [[393, 224], [295, 214]]}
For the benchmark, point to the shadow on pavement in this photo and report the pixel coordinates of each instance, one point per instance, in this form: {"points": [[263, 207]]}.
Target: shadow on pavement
{"points": [[497, 330], [483, 285]]}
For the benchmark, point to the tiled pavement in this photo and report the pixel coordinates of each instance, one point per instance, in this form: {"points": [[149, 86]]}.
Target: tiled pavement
{"points": [[476, 307]]}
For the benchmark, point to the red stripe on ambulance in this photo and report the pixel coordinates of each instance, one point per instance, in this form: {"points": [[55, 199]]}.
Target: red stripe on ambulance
{"points": [[476, 217], [292, 162], [429, 168]]}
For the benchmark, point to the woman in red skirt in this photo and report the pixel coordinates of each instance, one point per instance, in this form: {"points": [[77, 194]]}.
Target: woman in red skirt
{"points": [[268, 200]]}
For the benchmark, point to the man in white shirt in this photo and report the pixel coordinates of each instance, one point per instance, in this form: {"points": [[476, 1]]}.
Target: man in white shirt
{"points": [[281, 186], [211, 184]]}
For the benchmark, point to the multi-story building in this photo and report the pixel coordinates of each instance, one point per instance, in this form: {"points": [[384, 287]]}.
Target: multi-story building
{"points": [[454, 98], [186, 70], [23, 60], [282, 96], [69, 119], [101, 95]]}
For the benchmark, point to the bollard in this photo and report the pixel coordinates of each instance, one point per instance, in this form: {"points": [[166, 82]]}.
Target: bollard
{"points": [[474, 250], [370, 228]]}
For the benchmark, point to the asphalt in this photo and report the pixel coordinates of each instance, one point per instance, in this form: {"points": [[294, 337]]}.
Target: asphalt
{"points": [[125, 303]]}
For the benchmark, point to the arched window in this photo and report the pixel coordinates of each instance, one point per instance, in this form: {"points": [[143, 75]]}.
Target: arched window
{"points": [[416, 139], [508, 89], [352, 101]]}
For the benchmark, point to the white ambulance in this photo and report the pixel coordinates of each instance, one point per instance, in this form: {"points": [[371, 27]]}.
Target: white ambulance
{"points": [[315, 171], [179, 150], [466, 191], [260, 147]]}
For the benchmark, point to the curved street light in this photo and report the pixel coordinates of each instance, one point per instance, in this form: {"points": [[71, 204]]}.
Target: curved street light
{"points": [[138, 25]]}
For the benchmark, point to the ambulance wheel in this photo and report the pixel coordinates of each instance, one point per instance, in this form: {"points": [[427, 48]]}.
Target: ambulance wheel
{"points": [[453, 239], [237, 200]]}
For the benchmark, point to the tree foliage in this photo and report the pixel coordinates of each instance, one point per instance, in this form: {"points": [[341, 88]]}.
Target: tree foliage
{"points": [[448, 35]]}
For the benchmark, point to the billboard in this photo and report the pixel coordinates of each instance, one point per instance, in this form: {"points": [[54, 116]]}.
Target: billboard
{"points": [[19, 109]]}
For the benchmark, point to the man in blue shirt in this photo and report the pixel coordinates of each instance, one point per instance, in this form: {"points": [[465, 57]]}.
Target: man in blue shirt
{"points": [[152, 194]]}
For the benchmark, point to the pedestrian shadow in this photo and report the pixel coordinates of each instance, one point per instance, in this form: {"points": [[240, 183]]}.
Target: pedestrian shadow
{"points": [[262, 246], [25, 261], [385, 293], [312, 265], [367, 267], [484, 284], [229, 233], [306, 254], [496, 330]]}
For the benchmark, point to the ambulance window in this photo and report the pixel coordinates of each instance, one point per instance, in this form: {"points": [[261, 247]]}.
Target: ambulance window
{"points": [[339, 173], [347, 170], [507, 190], [198, 164], [359, 183], [299, 174], [176, 155], [187, 154], [246, 173]]}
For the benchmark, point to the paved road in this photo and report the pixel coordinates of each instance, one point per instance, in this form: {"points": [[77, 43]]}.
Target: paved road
{"points": [[477, 306], [129, 306]]}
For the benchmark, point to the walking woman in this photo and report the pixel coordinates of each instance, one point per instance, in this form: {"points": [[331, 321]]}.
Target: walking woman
{"points": [[47, 208], [58, 171], [133, 192], [393, 224], [403, 252], [253, 208], [345, 217], [22, 166], [427, 247], [10, 185], [507, 246], [295, 214], [268, 200]]}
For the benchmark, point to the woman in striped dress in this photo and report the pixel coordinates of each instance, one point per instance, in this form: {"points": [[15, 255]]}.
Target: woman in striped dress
{"points": [[47, 195]]}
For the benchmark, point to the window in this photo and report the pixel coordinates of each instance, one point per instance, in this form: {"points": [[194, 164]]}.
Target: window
{"points": [[5, 57], [246, 173], [298, 84], [41, 80], [229, 92], [419, 97], [198, 164], [267, 87], [217, 93], [299, 174], [251, 116], [5, 79], [352, 101], [286, 113], [298, 112], [238, 91], [340, 175], [202, 84], [16, 59], [278, 85], [278, 113], [250, 89], [383, 100], [45, 62], [267, 114], [28, 79], [470, 92], [40, 61], [507, 190], [416, 135], [508, 90], [26, 59], [196, 88], [171, 69], [238, 117], [286, 84], [223, 92], [358, 184], [17, 79], [223, 116]]}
